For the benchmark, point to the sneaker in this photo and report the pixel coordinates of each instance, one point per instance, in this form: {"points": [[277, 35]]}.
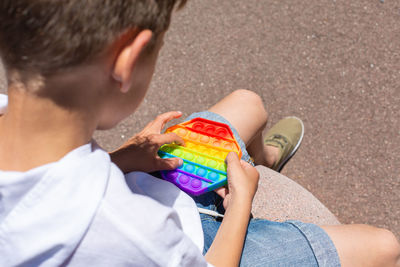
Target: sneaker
{"points": [[286, 135]]}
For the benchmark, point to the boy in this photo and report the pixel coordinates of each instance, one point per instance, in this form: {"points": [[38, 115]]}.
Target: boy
{"points": [[76, 66]]}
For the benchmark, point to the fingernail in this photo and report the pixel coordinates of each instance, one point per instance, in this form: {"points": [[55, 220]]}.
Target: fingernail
{"points": [[180, 112], [180, 162]]}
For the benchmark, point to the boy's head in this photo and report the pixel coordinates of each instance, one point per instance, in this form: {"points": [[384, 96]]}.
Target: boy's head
{"points": [[53, 38], [51, 35]]}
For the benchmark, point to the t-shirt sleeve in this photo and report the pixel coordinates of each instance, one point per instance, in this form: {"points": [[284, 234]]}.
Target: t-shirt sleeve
{"points": [[170, 196], [177, 248], [3, 103], [136, 230]]}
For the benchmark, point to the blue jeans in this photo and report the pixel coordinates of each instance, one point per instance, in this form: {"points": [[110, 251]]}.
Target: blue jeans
{"points": [[268, 243]]}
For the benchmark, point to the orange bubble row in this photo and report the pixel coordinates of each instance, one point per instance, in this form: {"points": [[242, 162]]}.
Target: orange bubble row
{"points": [[204, 139]]}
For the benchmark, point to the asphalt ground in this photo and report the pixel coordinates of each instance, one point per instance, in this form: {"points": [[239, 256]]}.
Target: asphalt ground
{"points": [[333, 63]]}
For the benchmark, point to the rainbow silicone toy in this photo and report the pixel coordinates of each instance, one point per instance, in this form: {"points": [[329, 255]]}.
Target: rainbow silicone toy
{"points": [[207, 143]]}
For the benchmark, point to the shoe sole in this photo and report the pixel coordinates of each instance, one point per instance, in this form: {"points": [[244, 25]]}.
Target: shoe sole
{"points": [[280, 167]]}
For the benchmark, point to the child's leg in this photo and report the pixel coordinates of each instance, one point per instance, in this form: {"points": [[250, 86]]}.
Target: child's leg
{"points": [[363, 245], [245, 111], [295, 243], [357, 245]]}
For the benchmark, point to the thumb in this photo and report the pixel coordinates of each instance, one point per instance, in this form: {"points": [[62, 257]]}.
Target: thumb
{"points": [[233, 163], [168, 163]]}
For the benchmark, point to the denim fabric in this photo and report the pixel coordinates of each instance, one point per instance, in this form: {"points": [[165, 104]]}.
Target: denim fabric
{"points": [[268, 243]]}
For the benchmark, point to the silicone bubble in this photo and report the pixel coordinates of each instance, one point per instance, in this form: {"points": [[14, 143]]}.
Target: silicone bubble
{"points": [[221, 132], [177, 152], [213, 176], [189, 168], [191, 145], [204, 139], [228, 146], [184, 179], [206, 145], [189, 156], [198, 126], [182, 132], [193, 136], [210, 129], [222, 167], [212, 163], [200, 160], [196, 183], [173, 175], [217, 143], [201, 172]]}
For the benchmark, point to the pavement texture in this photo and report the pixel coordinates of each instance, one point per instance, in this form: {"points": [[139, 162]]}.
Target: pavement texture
{"points": [[279, 198], [333, 63]]}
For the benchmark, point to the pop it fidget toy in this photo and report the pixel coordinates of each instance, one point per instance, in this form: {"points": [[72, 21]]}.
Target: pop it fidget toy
{"points": [[207, 143]]}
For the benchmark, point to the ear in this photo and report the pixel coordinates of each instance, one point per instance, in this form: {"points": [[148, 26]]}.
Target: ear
{"points": [[127, 59]]}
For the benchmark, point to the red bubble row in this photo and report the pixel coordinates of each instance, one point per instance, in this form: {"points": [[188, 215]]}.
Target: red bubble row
{"points": [[210, 129]]}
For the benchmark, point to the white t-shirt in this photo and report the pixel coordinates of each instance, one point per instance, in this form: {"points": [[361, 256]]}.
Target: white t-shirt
{"points": [[82, 211]]}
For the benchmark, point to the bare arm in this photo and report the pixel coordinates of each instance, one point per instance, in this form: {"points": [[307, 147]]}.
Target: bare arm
{"points": [[227, 246]]}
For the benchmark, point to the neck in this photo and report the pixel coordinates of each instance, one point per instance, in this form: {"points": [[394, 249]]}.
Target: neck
{"points": [[35, 130]]}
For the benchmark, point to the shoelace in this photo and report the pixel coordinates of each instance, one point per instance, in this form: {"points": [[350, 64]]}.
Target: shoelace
{"points": [[278, 139]]}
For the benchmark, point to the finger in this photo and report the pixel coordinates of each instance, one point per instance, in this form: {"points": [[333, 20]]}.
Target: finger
{"points": [[168, 138], [222, 191], [226, 201], [233, 163], [159, 123], [168, 164]]}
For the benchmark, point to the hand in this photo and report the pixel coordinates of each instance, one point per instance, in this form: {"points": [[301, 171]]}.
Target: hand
{"points": [[139, 153], [242, 181]]}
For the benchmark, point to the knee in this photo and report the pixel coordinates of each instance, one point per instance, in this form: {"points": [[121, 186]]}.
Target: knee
{"points": [[389, 247], [249, 97], [253, 100], [364, 245]]}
